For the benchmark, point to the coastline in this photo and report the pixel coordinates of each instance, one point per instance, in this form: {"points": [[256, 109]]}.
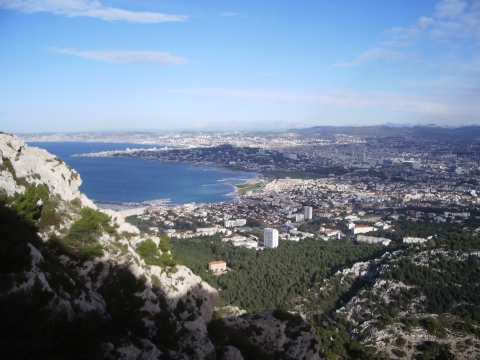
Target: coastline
{"points": [[87, 165], [236, 192]]}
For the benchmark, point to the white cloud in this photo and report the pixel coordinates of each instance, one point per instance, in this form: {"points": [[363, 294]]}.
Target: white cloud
{"points": [[88, 8], [232, 14], [126, 57], [373, 55], [450, 8], [451, 19]]}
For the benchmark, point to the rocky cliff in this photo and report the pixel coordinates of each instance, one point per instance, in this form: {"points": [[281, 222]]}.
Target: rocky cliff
{"points": [[77, 282]]}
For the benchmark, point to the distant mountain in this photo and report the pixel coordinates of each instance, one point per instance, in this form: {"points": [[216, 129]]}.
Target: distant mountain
{"points": [[426, 131]]}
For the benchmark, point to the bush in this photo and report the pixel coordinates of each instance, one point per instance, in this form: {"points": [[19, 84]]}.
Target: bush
{"points": [[26, 204], [148, 251], [434, 350], [431, 325], [165, 244], [83, 235], [399, 353]]}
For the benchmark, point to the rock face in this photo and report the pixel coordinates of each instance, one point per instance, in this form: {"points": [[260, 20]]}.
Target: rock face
{"points": [[37, 166], [172, 304], [280, 334]]}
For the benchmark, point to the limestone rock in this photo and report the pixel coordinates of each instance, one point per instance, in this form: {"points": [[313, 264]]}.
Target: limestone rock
{"points": [[231, 353], [278, 333]]}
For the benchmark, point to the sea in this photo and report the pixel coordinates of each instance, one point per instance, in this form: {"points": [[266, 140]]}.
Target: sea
{"points": [[108, 179]]}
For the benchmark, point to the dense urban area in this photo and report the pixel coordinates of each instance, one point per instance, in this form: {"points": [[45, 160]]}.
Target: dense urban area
{"points": [[325, 187]]}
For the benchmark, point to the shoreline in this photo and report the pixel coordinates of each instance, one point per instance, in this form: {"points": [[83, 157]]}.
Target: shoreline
{"points": [[231, 176], [247, 182]]}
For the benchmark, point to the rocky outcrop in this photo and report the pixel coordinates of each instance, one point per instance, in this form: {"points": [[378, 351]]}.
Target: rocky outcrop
{"points": [[22, 164], [280, 334], [75, 287]]}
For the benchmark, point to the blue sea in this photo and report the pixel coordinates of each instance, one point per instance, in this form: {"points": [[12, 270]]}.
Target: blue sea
{"points": [[135, 180]]}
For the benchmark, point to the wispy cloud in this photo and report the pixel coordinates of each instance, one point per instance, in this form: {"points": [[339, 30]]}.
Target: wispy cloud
{"points": [[88, 8], [232, 14], [125, 57], [451, 19], [342, 98], [374, 55]]}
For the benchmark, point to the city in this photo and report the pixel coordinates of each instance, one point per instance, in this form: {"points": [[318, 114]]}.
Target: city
{"points": [[323, 188]]}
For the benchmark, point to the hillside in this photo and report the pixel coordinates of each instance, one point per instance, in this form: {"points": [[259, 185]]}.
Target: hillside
{"points": [[426, 132], [80, 283], [365, 301]]}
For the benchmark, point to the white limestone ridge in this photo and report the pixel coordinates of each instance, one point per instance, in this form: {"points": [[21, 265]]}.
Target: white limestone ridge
{"points": [[37, 166]]}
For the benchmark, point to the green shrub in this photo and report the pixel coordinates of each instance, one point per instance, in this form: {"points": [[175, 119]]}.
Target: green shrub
{"points": [[148, 251], [26, 204], [82, 238], [434, 350], [431, 325], [165, 244], [399, 353]]}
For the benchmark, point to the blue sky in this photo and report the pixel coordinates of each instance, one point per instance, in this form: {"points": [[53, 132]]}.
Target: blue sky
{"points": [[88, 65]]}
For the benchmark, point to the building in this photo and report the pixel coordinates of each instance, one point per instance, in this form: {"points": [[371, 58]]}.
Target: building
{"points": [[230, 223], [217, 266], [412, 240], [362, 229], [270, 238], [416, 165], [241, 222], [131, 212], [290, 156], [298, 217], [307, 212], [212, 231], [373, 240]]}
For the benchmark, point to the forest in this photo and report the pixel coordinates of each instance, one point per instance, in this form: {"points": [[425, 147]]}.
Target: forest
{"points": [[305, 277], [270, 278]]}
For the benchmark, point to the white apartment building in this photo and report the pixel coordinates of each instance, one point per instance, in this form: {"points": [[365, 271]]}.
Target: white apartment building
{"points": [[233, 223], [241, 222], [270, 238], [307, 212], [229, 223]]}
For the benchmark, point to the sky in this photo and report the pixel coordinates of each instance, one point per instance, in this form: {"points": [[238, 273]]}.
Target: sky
{"points": [[223, 65]]}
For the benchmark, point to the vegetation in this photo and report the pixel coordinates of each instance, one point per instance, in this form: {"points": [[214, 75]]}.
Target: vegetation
{"points": [[28, 327], [15, 233], [82, 237], [142, 225], [243, 188], [148, 251], [445, 283], [29, 204], [422, 229], [271, 278]]}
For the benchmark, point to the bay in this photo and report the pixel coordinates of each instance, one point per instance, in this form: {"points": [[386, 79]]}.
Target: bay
{"points": [[134, 180]]}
